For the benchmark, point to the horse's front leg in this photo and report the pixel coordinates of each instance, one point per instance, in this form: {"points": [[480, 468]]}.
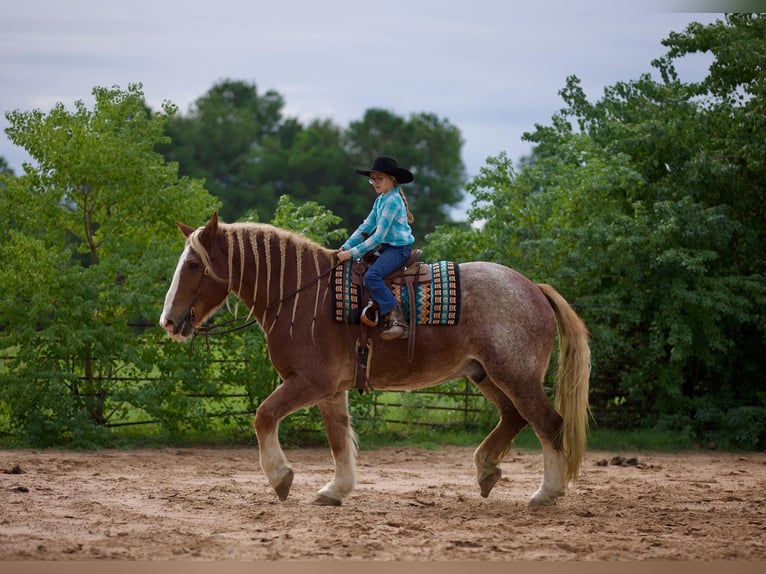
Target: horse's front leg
{"points": [[292, 395], [337, 424]]}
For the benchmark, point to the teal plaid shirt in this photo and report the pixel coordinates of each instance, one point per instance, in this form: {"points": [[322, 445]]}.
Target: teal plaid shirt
{"points": [[386, 223]]}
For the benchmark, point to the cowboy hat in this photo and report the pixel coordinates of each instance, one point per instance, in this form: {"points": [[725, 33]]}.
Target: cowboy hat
{"points": [[388, 165]]}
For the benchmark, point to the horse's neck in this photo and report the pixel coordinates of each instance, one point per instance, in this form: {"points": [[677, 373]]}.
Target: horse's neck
{"points": [[272, 270]]}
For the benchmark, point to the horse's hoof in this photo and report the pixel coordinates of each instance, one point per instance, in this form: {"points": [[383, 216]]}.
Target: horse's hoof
{"points": [[283, 488], [541, 501], [487, 483], [322, 500]]}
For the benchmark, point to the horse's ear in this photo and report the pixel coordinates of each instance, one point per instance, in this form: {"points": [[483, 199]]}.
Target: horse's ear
{"points": [[207, 235], [211, 228], [212, 225], [185, 229]]}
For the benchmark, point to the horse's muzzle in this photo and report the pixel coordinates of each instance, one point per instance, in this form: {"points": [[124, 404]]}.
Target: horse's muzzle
{"points": [[181, 328]]}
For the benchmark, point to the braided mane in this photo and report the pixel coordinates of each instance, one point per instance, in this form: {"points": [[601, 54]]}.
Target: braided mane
{"points": [[260, 237]]}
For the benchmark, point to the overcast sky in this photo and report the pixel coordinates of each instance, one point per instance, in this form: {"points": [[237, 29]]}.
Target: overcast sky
{"points": [[493, 68]]}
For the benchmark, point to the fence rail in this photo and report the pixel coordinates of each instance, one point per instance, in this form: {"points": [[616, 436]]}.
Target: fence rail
{"points": [[433, 407], [381, 403]]}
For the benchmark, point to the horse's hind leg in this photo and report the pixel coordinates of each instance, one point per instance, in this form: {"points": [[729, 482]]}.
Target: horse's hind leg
{"points": [[554, 474], [546, 422], [528, 403], [337, 423], [493, 449]]}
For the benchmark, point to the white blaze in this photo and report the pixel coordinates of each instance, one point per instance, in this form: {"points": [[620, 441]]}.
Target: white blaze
{"points": [[173, 288]]}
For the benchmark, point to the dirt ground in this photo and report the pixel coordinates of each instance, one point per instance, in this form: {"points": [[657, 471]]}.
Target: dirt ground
{"points": [[410, 504]]}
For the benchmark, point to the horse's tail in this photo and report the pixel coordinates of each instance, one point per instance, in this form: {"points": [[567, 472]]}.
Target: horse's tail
{"points": [[572, 379]]}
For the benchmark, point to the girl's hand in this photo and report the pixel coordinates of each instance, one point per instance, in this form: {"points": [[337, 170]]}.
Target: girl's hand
{"points": [[343, 255]]}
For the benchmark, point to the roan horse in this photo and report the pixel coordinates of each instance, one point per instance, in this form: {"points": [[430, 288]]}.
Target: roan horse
{"points": [[502, 342]]}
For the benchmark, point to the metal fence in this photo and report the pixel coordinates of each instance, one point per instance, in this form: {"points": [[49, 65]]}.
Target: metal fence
{"points": [[452, 404], [390, 407]]}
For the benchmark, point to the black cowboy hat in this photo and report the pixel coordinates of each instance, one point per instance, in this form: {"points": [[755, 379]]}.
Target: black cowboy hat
{"points": [[388, 165]]}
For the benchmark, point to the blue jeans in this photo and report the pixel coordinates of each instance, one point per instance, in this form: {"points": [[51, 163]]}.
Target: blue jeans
{"points": [[391, 258]]}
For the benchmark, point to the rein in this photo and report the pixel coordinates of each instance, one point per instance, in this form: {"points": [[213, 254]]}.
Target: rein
{"points": [[223, 328]]}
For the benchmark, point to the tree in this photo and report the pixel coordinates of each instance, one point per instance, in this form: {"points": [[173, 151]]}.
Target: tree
{"points": [[696, 147], [86, 250], [315, 167], [216, 140], [649, 217], [250, 156], [5, 169], [427, 145]]}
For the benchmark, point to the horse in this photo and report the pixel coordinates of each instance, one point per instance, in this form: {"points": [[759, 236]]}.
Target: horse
{"points": [[503, 343]]}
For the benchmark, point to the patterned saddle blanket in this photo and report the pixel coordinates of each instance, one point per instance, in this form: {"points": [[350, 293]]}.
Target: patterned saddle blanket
{"points": [[436, 290]]}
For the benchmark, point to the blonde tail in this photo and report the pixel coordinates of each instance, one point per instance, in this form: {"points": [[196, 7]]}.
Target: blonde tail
{"points": [[572, 379]]}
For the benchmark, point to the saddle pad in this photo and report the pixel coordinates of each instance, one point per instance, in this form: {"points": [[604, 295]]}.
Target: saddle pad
{"points": [[437, 301], [347, 298]]}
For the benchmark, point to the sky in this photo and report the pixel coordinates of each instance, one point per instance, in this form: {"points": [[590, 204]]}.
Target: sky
{"points": [[492, 68]]}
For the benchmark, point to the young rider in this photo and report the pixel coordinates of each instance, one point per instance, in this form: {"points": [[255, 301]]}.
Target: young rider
{"points": [[387, 229]]}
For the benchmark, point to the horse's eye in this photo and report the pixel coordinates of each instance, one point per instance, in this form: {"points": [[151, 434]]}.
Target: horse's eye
{"points": [[192, 266]]}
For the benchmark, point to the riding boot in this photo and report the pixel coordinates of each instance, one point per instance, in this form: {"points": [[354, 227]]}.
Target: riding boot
{"points": [[396, 326]]}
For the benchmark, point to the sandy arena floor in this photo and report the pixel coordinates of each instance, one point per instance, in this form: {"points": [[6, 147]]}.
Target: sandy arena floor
{"points": [[410, 504]]}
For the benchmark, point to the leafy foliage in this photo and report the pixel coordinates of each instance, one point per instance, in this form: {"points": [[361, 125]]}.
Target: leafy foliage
{"points": [[86, 251], [88, 245], [249, 156], [645, 208], [649, 217], [309, 219]]}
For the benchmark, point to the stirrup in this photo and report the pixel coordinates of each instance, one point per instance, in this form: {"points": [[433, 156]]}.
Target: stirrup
{"points": [[370, 321]]}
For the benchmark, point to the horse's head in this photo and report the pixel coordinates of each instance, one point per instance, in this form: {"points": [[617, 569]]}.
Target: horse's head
{"points": [[197, 289]]}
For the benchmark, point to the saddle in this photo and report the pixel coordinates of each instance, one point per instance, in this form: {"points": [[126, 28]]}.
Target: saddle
{"points": [[410, 274]]}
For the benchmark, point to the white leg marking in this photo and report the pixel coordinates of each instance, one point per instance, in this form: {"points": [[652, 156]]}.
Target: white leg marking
{"points": [[273, 460], [553, 485], [344, 480]]}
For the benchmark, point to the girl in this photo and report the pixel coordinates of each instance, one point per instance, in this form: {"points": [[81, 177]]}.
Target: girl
{"points": [[386, 228]]}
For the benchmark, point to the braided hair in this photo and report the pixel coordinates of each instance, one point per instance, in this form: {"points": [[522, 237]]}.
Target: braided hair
{"points": [[410, 217]]}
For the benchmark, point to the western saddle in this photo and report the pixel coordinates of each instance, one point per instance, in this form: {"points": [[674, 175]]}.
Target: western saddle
{"points": [[410, 274]]}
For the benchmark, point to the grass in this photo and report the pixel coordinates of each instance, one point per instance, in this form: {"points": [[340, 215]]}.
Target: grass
{"points": [[429, 429], [599, 439], [641, 440], [431, 438], [304, 432]]}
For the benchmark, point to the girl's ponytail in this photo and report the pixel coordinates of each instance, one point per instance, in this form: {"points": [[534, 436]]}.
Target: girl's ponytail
{"points": [[410, 217]]}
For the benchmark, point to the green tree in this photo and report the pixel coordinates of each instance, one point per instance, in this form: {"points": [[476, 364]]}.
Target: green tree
{"points": [[424, 143], [219, 138], [5, 169], [249, 156], [310, 219], [86, 250], [649, 217], [699, 149]]}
